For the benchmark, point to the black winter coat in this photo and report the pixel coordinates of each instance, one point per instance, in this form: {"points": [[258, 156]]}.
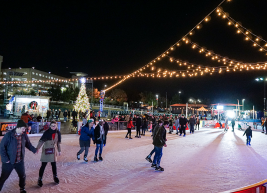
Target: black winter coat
{"points": [[248, 132], [183, 121], [159, 137], [97, 134], [8, 147], [65, 114], [138, 122]]}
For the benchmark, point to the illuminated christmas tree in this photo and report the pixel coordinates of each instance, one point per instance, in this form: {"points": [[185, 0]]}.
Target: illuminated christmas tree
{"points": [[82, 101]]}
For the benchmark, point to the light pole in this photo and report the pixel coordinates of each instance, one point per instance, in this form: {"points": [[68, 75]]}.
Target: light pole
{"points": [[238, 109], [179, 93], [157, 99], [243, 103], [264, 98]]}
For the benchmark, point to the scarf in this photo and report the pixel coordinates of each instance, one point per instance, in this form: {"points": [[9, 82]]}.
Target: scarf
{"points": [[48, 135]]}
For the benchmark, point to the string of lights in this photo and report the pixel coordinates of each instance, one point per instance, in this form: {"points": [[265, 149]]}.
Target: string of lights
{"points": [[202, 71], [249, 36], [62, 80], [166, 52], [235, 67]]}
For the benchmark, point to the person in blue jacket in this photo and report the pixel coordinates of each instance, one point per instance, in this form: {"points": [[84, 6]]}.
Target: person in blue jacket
{"points": [[87, 132]]}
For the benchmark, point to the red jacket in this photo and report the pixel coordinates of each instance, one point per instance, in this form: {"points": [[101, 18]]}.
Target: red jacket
{"points": [[25, 117], [130, 125]]}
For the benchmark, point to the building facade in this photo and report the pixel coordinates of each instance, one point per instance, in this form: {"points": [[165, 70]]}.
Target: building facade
{"points": [[46, 80]]}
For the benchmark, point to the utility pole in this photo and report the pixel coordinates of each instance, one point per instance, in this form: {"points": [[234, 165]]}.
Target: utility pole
{"points": [[166, 100]]}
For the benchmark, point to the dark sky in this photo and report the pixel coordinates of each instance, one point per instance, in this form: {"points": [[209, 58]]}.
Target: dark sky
{"points": [[118, 37]]}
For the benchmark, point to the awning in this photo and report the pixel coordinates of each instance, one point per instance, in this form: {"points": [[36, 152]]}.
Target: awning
{"points": [[202, 109]]}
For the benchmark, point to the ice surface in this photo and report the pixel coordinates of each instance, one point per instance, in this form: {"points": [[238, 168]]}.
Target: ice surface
{"points": [[207, 161]]}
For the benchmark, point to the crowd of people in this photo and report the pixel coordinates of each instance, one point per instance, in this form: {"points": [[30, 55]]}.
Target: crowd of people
{"points": [[13, 144], [149, 122]]}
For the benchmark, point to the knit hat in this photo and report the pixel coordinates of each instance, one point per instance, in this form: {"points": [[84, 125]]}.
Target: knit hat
{"points": [[90, 120], [21, 123]]}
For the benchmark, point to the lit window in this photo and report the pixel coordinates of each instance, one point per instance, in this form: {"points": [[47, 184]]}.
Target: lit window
{"points": [[40, 75], [32, 72]]}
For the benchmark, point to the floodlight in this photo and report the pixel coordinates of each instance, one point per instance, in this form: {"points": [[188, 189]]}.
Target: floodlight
{"points": [[82, 80]]}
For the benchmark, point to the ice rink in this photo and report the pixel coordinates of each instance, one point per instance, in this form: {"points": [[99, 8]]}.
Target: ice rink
{"points": [[207, 161]]}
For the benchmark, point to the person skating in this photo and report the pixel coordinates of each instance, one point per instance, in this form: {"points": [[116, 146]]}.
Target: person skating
{"points": [[100, 138], [197, 122], [50, 141], [183, 121], [248, 133], [159, 140], [87, 132], [233, 125], [192, 123], [129, 128], [138, 125], [177, 124], [65, 115], [74, 114], [170, 125], [226, 125], [148, 158], [144, 126], [12, 149]]}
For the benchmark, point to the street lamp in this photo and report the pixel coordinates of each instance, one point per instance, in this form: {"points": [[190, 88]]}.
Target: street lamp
{"points": [[264, 98], [243, 103], [179, 93], [157, 99]]}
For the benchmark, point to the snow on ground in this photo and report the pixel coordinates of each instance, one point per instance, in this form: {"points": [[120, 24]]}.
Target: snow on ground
{"points": [[207, 161]]}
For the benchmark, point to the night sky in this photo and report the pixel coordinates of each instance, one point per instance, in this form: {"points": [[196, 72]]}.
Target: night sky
{"points": [[118, 37]]}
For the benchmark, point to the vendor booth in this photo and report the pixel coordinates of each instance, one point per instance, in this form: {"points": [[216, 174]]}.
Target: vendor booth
{"points": [[36, 105]]}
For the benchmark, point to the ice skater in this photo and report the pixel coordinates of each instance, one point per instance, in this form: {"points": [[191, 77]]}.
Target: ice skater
{"points": [[138, 125], [183, 121], [129, 128], [170, 125], [87, 132], [177, 125], [233, 125], [248, 133], [144, 127], [148, 158], [192, 123], [13, 152], [197, 123], [226, 125], [100, 138], [159, 140], [49, 140]]}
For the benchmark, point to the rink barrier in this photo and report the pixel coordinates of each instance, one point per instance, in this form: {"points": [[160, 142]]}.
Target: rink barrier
{"points": [[36, 127], [259, 187]]}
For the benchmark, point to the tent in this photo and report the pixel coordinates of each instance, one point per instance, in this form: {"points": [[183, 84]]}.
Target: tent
{"points": [[202, 109]]}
